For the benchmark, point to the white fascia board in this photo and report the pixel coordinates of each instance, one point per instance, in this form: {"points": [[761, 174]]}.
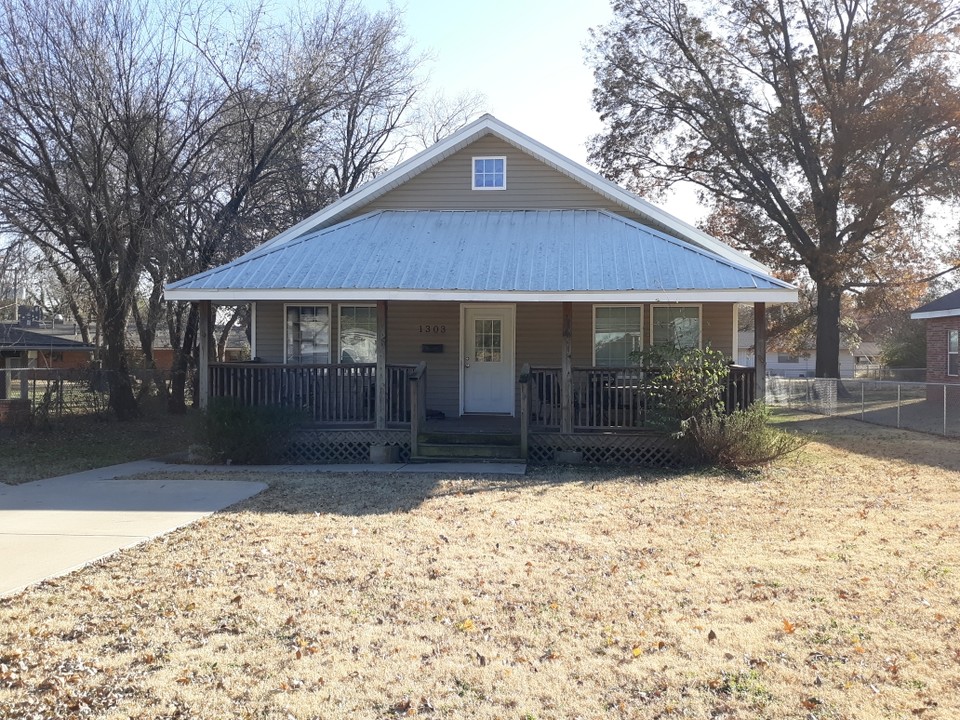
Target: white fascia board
{"points": [[935, 314], [646, 296]]}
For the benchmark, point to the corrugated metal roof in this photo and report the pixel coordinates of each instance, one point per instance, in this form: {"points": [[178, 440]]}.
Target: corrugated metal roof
{"points": [[484, 251]]}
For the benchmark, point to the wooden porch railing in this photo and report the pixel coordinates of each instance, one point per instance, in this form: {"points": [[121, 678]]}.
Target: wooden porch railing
{"points": [[336, 394], [607, 398]]}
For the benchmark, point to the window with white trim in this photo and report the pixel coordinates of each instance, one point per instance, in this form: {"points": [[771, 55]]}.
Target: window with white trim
{"points": [[307, 334], [358, 334], [617, 332], [675, 325], [953, 352], [489, 173]]}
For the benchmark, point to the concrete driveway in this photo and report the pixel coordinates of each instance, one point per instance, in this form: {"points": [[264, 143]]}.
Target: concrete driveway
{"points": [[50, 527]]}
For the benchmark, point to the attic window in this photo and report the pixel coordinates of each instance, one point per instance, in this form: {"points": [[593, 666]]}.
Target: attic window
{"points": [[489, 173]]}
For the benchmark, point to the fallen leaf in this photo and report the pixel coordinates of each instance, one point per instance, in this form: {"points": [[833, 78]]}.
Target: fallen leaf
{"points": [[788, 627]]}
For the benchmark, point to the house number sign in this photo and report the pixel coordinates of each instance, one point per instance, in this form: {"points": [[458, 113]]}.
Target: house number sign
{"points": [[433, 329]]}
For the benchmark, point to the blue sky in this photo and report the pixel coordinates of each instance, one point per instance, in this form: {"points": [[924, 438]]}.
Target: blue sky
{"points": [[526, 56]]}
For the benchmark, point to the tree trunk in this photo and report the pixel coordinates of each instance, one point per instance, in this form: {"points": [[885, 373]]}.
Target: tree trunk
{"points": [[182, 357], [828, 330], [122, 400]]}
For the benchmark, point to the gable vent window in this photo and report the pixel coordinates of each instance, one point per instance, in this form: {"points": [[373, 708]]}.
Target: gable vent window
{"points": [[489, 173]]}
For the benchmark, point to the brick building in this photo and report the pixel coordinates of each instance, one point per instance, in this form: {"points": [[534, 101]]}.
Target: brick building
{"points": [[943, 337]]}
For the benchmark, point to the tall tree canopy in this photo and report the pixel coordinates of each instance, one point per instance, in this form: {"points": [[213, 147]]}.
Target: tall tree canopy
{"points": [[819, 128]]}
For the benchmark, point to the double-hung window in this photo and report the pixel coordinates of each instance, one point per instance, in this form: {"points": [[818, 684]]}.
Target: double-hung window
{"points": [[489, 173], [358, 334], [307, 334], [953, 352], [617, 333], [675, 325]]}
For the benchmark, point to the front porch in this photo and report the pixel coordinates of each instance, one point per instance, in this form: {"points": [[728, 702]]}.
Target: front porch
{"points": [[588, 414]]}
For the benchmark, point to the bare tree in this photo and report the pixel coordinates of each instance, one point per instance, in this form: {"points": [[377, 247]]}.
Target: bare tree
{"points": [[142, 142], [437, 116]]}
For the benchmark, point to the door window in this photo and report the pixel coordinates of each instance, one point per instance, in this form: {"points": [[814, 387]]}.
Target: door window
{"points": [[487, 343]]}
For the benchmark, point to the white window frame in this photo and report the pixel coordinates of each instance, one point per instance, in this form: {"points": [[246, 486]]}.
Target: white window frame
{"points": [[698, 306], [473, 172], [340, 307], [329, 308], [949, 353], [593, 334]]}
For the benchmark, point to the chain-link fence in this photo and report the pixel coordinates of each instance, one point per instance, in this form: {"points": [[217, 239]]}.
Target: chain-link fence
{"points": [[49, 393], [927, 407]]}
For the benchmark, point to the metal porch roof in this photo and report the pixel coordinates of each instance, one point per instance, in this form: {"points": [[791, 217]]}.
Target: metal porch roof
{"points": [[553, 252]]}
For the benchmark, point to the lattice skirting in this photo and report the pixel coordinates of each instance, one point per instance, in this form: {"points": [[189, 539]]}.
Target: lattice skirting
{"points": [[648, 449], [322, 447]]}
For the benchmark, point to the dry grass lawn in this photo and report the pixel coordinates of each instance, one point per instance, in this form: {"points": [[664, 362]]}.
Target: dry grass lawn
{"points": [[825, 587]]}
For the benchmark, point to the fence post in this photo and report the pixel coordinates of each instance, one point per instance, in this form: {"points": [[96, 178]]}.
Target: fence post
{"points": [[861, 401], [944, 410], [898, 406]]}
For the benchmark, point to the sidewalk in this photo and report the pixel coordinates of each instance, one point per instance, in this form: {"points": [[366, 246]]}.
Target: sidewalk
{"points": [[54, 526]]}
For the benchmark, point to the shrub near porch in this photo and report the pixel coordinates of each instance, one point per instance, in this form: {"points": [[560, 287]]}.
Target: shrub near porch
{"points": [[825, 587]]}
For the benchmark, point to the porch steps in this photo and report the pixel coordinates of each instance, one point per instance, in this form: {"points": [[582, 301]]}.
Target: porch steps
{"points": [[486, 447]]}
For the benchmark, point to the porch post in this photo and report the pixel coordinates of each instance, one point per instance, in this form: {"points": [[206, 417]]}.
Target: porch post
{"points": [[760, 350], [382, 399], [566, 371], [203, 338]]}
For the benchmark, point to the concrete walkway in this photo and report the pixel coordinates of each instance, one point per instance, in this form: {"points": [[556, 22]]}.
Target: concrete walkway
{"points": [[52, 527]]}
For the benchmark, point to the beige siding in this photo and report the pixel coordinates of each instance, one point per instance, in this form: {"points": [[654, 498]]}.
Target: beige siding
{"points": [[269, 332], [538, 338], [406, 322], [531, 185], [718, 327]]}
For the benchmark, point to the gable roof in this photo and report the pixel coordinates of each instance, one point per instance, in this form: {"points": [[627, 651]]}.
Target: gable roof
{"points": [[489, 125], [587, 255], [16, 337], [946, 306]]}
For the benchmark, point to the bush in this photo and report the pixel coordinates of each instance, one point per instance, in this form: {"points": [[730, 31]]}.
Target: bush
{"points": [[248, 435], [740, 440], [684, 383]]}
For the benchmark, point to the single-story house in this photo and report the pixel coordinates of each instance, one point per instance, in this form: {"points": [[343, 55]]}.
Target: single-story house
{"points": [[36, 346], [853, 358], [487, 283], [943, 337]]}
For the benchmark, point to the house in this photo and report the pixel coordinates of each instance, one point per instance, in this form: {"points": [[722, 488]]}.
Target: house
{"points": [[943, 337], [503, 283], [854, 359], [35, 346]]}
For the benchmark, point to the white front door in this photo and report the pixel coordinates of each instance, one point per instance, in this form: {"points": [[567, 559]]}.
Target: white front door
{"points": [[488, 358]]}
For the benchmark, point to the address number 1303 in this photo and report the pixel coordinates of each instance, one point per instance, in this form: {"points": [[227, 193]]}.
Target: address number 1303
{"points": [[433, 329]]}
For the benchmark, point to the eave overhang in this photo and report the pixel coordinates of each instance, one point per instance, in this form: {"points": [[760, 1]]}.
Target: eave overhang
{"points": [[240, 295]]}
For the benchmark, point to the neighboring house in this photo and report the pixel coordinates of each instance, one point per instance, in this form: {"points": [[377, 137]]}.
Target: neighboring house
{"points": [[237, 348], [24, 346], [943, 337], [854, 359], [505, 283]]}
